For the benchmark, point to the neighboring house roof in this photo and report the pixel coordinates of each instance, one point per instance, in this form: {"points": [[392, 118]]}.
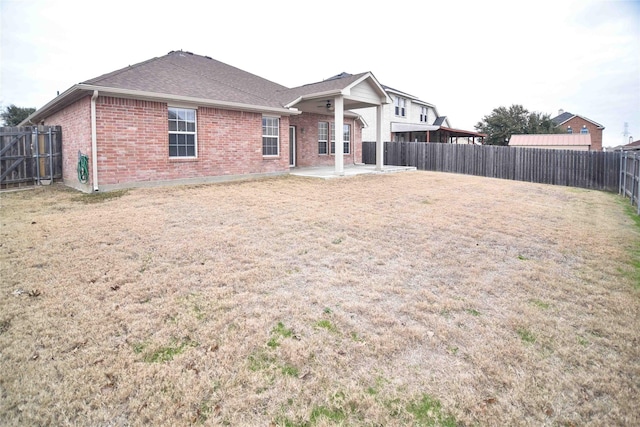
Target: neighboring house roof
{"points": [[440, 120], [188, 78], [635, 145], [422, 127], [558, 120], [406, 95], [399, 92], [566, 116], [556, 139]]}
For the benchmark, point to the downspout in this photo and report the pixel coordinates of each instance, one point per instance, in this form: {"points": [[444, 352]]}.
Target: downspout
{"points": [[94, 142]]}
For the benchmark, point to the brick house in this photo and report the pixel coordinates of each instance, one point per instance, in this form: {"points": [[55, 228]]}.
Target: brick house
{"points": [[186, 118], [573, 123]]}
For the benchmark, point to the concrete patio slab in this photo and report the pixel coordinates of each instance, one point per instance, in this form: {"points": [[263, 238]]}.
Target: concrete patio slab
{"points": [[328, 172]]}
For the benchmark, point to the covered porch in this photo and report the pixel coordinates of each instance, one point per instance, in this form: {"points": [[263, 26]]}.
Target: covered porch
{"points": [[331, 102], [408, 132]]}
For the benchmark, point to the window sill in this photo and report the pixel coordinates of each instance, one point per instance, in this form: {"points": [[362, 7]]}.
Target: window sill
{"points": [[270, 157], [183, 159]]}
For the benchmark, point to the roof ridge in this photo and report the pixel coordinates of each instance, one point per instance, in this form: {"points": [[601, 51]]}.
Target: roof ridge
{"points": [[589, 120], [342, 75]]}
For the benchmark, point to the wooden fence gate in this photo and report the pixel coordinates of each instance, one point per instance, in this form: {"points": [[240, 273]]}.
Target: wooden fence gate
{"points": [[30, 155], [630, 177]]}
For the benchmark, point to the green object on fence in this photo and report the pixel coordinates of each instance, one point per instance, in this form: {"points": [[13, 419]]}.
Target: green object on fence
{"points": [[83, 168]]}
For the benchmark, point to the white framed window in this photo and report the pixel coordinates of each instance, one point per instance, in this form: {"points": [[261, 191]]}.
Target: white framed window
{"points": [[346, 139], [182, 132], [323, 137], [424, 114], [333, 137], [270, 136], [584, 129], [400, 104], [569, 130]]}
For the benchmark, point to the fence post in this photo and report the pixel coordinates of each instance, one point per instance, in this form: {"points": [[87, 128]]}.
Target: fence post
{"points": [[621, 185], [51, 155], [37, 155], [638, 183]]}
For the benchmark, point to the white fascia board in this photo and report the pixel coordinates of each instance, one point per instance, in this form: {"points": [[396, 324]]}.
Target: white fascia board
{"points": [[294, 102], [164, 97], [425, 103], [362, 120], [589, 120], [150, 96], [49, 106], [399, 92], [413, 98], [312, 96]]}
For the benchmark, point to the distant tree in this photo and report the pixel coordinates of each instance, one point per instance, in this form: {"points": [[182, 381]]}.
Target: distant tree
{"points": [[504, 122], [13, 115]]}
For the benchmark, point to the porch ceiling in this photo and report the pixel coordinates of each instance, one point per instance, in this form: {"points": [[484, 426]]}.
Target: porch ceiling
{"points": [[319, 105]]}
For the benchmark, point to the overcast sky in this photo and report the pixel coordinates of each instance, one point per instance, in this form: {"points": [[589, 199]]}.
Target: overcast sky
{"points": [[466, 57]]}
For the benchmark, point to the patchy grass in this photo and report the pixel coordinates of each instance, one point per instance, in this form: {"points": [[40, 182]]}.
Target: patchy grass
{"points": [[164, 353], [634, 263], [333, 415], [540, 304], [428, 412], [99, 197], [326, 324], [526, 335], [314, 303]]}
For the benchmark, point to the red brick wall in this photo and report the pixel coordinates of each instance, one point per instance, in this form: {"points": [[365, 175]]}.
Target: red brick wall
{"points": [[576, 124], [133, 142], [307, 141], [76, 136]]}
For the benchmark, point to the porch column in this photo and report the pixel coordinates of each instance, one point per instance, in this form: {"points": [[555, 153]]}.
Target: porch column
{"points": [[339, 127], [379, 143]]}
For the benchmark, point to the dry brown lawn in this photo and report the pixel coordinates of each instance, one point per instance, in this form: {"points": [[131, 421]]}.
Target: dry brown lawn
{"points": [[403, 299]]}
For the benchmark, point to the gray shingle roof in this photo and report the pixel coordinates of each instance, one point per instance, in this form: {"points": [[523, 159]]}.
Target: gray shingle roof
{"points": [[562, 118], [186, 74], [440, 120], [558, 120], [334, 83]]}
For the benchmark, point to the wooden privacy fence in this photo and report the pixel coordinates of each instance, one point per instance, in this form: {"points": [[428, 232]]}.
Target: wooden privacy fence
{"points": [[630, 177], [586, 169], [30, 155]]}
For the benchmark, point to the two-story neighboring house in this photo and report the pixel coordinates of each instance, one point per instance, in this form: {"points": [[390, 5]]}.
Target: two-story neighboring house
{"points": [[408, 118], [574, 123]]}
